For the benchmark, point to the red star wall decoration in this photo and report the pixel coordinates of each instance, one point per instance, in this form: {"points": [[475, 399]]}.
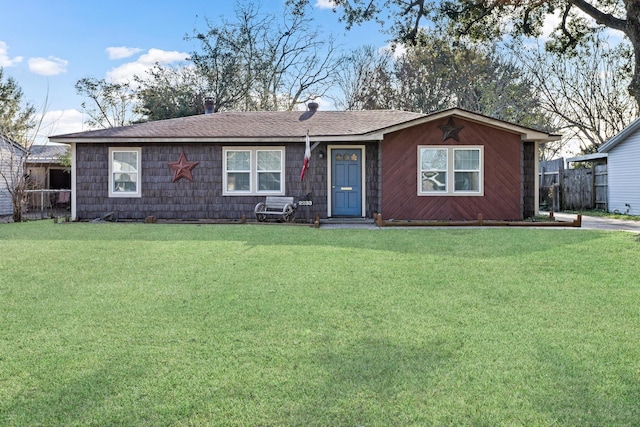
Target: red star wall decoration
{"points": [[450, 130], [182, 168]]}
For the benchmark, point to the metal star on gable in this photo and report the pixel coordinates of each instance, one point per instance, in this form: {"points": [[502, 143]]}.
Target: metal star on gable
{"points": [[182, 168], [450, 130]]}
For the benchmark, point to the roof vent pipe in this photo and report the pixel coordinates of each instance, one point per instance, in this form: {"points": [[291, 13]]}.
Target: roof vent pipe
{"points": [[208, 105], [313, 106]]}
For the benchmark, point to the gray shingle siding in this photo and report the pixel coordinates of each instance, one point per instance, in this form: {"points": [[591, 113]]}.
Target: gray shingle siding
{"points": [[203, 137], [203, 198]]}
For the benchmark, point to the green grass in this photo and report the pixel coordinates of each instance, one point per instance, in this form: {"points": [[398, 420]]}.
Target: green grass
{"points": [[177, 325]]}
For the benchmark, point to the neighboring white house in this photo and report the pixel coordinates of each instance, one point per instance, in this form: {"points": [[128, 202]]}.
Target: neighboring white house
{"points": [[623, 168], [43, 169], [11, 156]]}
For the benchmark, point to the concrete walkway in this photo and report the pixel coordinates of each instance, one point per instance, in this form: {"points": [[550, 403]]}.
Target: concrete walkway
{"points": [[588, 223], [600, 223]]}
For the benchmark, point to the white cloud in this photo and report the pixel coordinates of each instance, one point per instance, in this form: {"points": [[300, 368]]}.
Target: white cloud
{"points": [[50, 66], [5, 60], [126, 72], [551, 22], [324, 104], [325, 4], [162, 56], [397, 51], [121, 52], [59, 122]]}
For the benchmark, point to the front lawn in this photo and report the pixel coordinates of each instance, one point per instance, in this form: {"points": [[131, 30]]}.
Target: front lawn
{"points": [[247, 325]]}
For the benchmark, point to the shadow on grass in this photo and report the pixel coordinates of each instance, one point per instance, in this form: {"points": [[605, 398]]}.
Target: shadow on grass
{"points": [[576, 395], [86, 398], [464, 242], [377, 382]]}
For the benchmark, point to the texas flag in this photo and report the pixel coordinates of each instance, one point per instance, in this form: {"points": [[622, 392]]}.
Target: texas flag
{"points": [[307, 154]]}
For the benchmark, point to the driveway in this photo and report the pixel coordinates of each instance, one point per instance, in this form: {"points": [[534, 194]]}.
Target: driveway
{"points": [[599, 223]]}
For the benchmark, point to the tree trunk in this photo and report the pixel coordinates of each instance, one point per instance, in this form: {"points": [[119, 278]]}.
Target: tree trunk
{"points": [[633, 32], [634, 86], [17, 215], [17, 206]]}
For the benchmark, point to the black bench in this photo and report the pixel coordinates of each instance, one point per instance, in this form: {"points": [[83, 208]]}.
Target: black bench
{"points": [[276, 206]]}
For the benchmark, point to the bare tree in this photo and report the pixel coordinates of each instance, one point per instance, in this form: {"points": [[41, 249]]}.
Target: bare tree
{"points": [[301, 64], [109, 105], [364, 80], [18, 130], [263, 62], [12, 155], [586, 93]]}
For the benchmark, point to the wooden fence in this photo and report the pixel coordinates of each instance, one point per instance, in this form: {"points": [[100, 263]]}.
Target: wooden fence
{"points": [[549, 178], [573, 189], [577, 189], [600, 185]]}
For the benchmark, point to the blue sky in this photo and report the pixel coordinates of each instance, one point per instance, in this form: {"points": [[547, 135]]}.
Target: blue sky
{"points": [[48, 45]]}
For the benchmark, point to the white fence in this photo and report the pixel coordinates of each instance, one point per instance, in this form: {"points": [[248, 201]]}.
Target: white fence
{"points": [[47, 204]]}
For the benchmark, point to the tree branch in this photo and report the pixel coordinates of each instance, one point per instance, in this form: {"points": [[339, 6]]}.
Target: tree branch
{"points": [[600, 17], [572, 40]]}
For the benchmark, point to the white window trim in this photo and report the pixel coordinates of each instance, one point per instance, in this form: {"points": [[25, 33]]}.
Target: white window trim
{"points": [[127, 194], [253, 171], [450, 184]]}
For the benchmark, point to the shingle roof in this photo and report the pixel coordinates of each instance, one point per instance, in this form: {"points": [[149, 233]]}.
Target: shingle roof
{"points": [[624, 133], [282, 126], [272, 124], [46, 153], [8, 141]]}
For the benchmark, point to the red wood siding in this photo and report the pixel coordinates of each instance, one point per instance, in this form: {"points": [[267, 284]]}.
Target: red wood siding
{"points": [[502, 198]]}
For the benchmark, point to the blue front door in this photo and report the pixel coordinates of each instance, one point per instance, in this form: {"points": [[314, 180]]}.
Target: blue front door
{"points": [[346, 182]]}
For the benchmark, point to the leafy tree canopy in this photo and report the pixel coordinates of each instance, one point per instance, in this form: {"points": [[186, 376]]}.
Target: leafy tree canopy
{"points": [[167, 92], [438, 72], [110, 104], [491, 19], [17, 118]]}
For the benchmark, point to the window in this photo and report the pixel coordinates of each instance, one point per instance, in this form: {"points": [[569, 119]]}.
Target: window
{"points": [[250, 170], [448, 171], [124, 172], [466, 169], [433, 163], [238, 167]]}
